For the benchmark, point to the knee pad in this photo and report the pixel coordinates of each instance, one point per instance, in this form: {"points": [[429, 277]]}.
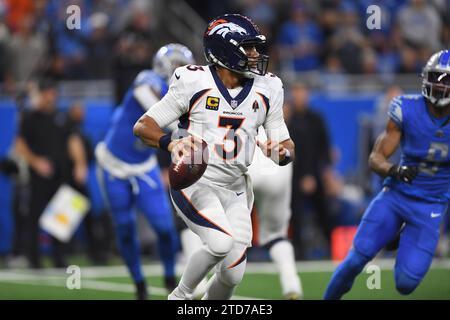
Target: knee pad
{"points": [[404, 283], [219, 244], [365, 245], [355, 261], [232, 277]]}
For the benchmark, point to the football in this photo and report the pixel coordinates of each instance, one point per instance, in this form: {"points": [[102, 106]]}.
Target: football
{"points": [[188, 169]]}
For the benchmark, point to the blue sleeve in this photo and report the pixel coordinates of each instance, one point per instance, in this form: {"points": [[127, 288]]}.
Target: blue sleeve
{"points": [[395, 111], [149, 78]]}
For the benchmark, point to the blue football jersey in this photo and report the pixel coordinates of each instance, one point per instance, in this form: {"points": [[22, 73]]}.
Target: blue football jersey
{"points": [[120, 139], [425, 143]]}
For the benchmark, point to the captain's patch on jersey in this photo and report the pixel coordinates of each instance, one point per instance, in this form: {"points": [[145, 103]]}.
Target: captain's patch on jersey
{"points": [[212, 103]]}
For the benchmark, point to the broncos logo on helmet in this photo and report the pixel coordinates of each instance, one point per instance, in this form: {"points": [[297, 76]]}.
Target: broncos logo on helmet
{"points": [[224, 28]]}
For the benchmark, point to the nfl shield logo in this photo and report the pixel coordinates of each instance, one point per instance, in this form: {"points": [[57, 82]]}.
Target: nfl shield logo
{"points": [[234, 103]]}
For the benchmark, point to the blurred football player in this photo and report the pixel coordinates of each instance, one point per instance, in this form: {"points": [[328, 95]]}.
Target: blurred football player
{"points": [[130, 174], [416, 191], [273, 189], [224, 104]]}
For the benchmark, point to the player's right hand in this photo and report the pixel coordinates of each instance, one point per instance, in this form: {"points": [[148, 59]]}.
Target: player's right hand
{"points": [[272, 149], [403, 173], [182, 147]]}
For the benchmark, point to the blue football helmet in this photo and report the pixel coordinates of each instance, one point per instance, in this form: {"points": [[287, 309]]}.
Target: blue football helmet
{"points": [[436, 79], [227, 37], [170, 57]]}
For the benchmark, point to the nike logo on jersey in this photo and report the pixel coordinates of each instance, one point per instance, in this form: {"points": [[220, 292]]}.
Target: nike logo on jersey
{"points": [[239, 193], [435, 215], [177, 76]]}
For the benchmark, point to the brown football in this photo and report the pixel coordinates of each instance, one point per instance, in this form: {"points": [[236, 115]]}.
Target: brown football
{"points": [[189, 168]]}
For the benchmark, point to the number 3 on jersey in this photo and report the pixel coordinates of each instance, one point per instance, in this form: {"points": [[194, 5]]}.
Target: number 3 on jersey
{"points": [[232, 124]]}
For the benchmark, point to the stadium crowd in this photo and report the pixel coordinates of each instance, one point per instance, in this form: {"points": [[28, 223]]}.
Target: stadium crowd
{"points": [[119, 37]]}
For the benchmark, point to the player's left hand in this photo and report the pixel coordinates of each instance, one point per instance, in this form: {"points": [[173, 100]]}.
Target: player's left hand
{"points": [[404, 173], [273, 150]]}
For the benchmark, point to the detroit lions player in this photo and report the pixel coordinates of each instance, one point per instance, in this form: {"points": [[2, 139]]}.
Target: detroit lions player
{"points": [[130, 174], [416, 191], [224, 104]]}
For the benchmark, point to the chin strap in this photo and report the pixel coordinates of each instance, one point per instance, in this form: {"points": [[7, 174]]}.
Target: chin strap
{"points": [[247, 74]]}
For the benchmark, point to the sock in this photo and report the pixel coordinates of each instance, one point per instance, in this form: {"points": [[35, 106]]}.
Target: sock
{"points": [[191, 243], [198, 266], [282, 254], [141, 290], [127, 239], [201, 288], [344, 276]]}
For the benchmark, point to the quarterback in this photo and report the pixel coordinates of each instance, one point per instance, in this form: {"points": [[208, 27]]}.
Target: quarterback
{"points": [[224, 104]]}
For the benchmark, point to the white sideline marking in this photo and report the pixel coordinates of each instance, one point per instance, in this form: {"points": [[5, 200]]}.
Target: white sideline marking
{"points": [[157, 270]]}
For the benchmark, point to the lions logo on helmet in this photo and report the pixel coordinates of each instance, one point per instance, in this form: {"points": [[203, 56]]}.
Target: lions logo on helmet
{"points": [[226, 39], [436, 79]]}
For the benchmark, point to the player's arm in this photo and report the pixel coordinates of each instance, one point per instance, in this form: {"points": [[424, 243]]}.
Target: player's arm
{"points": [[287, 150], [279, 146], [280, 152], [169, 109], [148, 130], [78, 156], [146, 96], [384, 147]]}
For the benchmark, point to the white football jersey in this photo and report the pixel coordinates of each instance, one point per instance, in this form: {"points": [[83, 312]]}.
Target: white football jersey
{"points": [[229, 125]]}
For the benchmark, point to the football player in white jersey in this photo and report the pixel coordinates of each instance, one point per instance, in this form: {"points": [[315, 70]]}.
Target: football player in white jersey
{"points": [[224, 104], [273, 190]]}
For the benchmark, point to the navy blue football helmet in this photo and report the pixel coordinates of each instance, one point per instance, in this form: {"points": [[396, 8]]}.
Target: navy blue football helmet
{"points": [[227, 37], [436, 79]]}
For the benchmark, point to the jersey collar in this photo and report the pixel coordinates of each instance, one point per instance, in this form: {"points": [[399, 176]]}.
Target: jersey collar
{"points": [[236, 101], [436, 121]]}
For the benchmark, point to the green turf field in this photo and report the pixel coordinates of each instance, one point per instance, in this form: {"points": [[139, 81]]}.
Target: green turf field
{"points": [[260, 282]]}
